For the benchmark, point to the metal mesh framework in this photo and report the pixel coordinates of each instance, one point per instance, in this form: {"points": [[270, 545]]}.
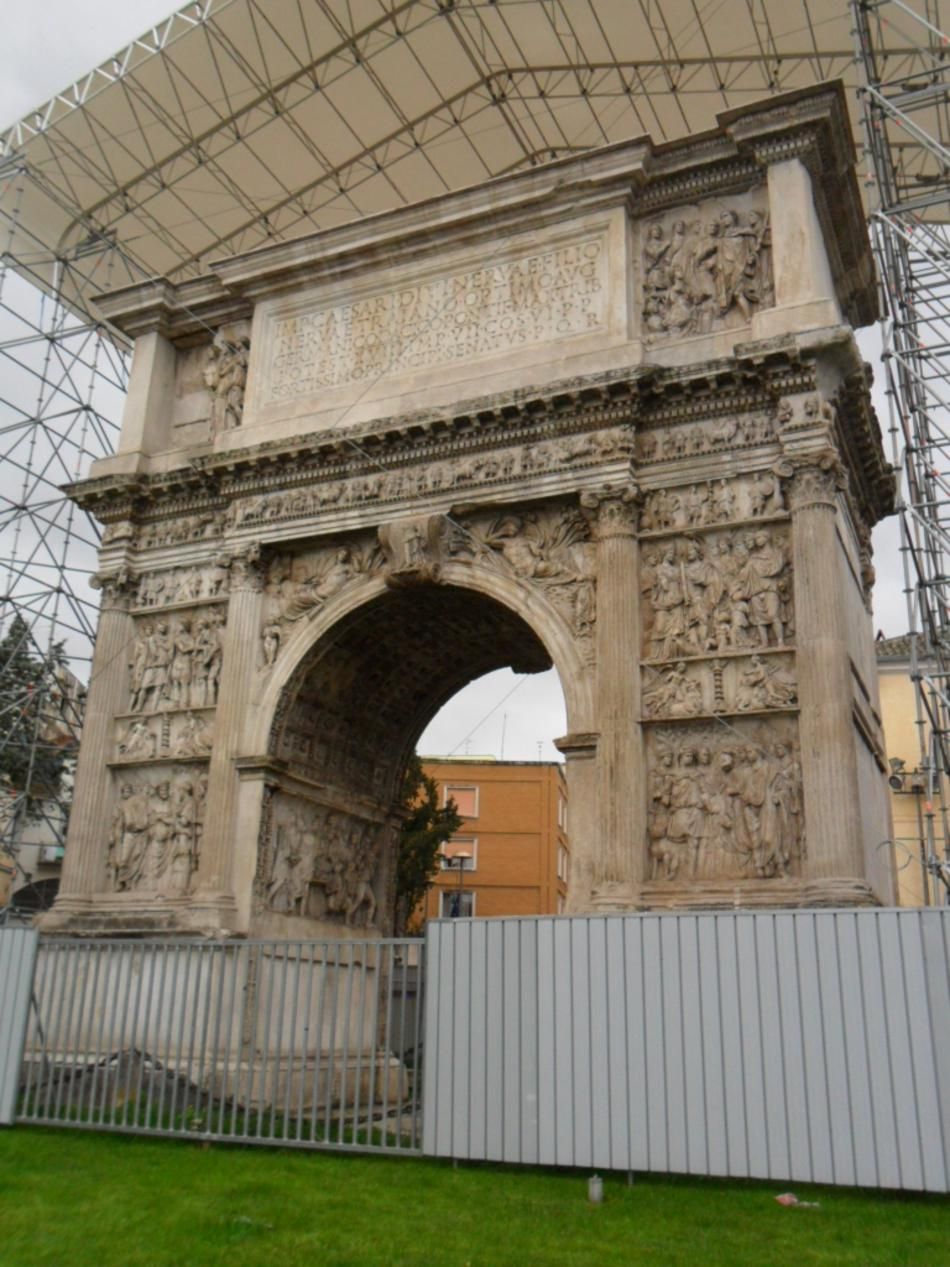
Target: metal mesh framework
{"points": [[913, 255], [235, 123]]}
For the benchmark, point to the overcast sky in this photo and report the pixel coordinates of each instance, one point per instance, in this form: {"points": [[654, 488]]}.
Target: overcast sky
{"points": [[45, 47]]}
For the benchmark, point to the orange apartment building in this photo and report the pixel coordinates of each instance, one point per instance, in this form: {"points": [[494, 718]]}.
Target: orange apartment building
{"points": [[513, 838]]}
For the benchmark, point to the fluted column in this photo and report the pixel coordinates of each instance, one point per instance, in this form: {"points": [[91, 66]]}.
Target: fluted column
{"points": [[583, 827], [214, 887], [87, 841], [617, 864], [834, 865]]}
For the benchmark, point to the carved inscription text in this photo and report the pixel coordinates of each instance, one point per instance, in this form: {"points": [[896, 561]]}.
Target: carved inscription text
{"points": [[442, 320]]}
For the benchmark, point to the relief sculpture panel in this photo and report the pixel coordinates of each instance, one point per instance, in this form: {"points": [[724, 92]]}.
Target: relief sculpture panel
{"points": [[317, 862], [737, 684], [721, 591], [175, 663], [725, 803], [718, 435], [551, 547], [705, 268], [755, 496], [155, 837]]}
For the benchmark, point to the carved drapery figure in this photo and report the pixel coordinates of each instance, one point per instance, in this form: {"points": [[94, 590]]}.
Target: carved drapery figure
{"points": [[297, 588], [156, 832], [139, 742], [225, 376], [766, 686], [707, 275], [176, 664], [317, 863], [129, 837], [717, 593], [675, 694], [725, 805], [551, 548]]}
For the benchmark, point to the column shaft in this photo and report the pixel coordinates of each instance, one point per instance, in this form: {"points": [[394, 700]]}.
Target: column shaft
{"points": [[621, 788], [215, 879], [833, 832], [87, 842]]}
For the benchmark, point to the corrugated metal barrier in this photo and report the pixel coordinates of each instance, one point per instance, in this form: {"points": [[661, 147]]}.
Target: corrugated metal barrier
{"points": [[315, 1044], [800, 1045], [17, 957]]}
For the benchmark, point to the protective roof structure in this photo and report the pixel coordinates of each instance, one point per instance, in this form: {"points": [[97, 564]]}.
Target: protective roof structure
{"points": [[237, 122]]}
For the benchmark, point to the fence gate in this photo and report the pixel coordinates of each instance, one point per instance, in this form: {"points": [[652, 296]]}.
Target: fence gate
{"points": [[314, 1044]]}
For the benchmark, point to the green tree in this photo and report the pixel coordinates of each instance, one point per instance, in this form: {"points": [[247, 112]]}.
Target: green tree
{"points": [[34, 737], [426, 826]]}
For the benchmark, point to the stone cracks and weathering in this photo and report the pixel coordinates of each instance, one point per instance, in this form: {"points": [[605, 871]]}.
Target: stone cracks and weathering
{"points": [[614, 421]]}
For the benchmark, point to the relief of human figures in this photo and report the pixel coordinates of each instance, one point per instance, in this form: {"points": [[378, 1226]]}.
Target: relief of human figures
{"points": [[716, 501], [225, 376], [705, 274], [730, 684], [298, 587], [679, 440], [720, 592], [155, 838], [181, 585], [176, 664], [551, 548], [725, 804], [321, 865]]}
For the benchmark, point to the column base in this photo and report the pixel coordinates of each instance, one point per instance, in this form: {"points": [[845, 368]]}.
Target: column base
{"points": [[616, 896], [723, 895], [838, 891], [141, 915]]}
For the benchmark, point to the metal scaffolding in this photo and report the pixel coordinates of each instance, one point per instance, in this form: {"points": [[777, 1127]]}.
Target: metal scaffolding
{"points": [[912, 248], [234, 123]]}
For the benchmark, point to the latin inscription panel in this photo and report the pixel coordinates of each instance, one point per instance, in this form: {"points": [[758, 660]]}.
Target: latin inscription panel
{"points": [[440, 321]]}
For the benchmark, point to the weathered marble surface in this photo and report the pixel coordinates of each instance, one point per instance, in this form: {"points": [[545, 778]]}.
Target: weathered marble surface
{"points": [[607, 415]]}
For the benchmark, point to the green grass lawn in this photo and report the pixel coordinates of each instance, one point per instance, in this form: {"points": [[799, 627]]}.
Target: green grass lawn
{"points": [[69, 1199]]}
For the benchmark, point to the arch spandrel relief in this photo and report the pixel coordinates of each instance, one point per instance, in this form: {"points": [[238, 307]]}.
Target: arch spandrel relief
{"points": [[621, 449]]}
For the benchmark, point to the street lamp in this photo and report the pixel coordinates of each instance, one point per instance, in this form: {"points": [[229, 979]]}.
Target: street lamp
{"points": [[460, 860]]}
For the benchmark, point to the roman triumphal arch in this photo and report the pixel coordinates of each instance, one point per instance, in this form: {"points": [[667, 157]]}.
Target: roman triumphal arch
{"points": [[608, 415]]}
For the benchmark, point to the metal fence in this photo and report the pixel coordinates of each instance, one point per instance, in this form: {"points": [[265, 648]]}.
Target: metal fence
{"points": [[17, 956], [801, 1045], [315, 1044]]}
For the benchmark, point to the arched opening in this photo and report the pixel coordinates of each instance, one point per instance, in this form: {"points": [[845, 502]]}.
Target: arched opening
{"points": [[492, 751], [348, 721]]}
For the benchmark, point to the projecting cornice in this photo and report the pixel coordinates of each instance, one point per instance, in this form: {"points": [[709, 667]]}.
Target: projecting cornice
{"points": [[810, 126]]}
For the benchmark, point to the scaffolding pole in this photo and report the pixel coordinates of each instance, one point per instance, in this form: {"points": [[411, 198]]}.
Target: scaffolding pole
{"points": [[902, 104]]}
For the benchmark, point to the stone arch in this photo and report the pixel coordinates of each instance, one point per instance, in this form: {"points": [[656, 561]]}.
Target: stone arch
{"points": [[571, 660], [344, 706]]}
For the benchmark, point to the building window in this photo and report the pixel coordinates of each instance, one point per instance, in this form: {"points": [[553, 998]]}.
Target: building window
{"points": [[454, 903], [561, 903], [562, 813], [465, 798], [563, 864], [456, 846]]}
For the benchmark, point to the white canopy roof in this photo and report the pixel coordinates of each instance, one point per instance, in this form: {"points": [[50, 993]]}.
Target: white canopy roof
{"points": [[237, 122]]}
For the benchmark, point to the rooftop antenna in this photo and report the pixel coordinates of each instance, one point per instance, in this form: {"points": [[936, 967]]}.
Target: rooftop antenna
{"points": [[539, 749]]}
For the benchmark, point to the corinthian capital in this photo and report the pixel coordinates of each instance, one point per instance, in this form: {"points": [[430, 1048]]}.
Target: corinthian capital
{"points": [[116, 587], [246, 568], [812, 479], [612, 510]]}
